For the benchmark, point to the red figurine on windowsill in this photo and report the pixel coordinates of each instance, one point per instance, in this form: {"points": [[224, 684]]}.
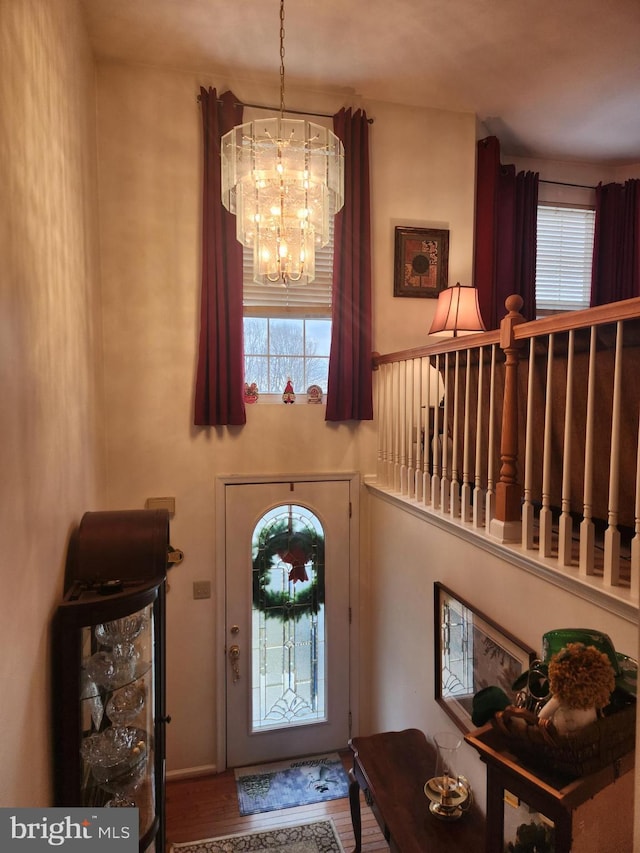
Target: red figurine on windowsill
{"points": [[288, 395]]}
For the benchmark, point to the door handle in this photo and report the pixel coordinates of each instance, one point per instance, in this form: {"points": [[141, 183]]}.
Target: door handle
{"points": [[234, 654]]}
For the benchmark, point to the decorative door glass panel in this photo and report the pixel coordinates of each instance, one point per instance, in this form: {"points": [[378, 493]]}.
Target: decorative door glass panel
{"points": [[288, 625]]}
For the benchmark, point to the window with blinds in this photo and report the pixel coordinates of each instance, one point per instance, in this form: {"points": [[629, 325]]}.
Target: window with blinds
{"points": [[564, 258]]}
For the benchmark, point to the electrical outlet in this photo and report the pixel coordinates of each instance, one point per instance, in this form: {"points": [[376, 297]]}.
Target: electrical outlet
{"points": [[202, 589]]}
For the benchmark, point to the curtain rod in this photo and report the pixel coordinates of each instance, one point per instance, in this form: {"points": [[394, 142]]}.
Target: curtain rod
{"points": [[563, 184], [293, 112]]}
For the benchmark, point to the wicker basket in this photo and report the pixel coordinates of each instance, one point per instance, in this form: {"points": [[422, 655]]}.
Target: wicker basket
{"points": [[576, 754]]}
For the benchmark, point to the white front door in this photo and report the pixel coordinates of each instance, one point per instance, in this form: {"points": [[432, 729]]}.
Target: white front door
{"points": [[287, 619]]}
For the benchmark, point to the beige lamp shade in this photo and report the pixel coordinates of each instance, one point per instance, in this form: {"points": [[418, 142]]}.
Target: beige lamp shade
{"points": [[457, 311]]}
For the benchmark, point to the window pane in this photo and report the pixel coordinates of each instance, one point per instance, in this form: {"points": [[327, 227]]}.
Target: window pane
{"points": [[284, 368], [256, 369], [255, 335], [285, 337], [317, 372], [317, 337]]}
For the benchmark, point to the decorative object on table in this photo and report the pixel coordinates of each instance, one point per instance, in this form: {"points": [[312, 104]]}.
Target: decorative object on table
{"points": [[582, 672], [625, 669], [314, 394], [421, 262], [472, 652], [581, 680], [283, 178], [314, 837], [251, 393], [288, 395], [450, 793], [286, 784], [457, 311], [486, 703]]}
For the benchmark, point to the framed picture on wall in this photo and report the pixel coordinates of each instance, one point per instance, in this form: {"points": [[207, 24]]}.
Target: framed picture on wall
{"points": [[472, 652], [421, 261]]}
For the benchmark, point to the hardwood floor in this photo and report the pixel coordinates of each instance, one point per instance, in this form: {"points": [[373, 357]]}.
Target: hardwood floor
{"points": [[207, 807]]}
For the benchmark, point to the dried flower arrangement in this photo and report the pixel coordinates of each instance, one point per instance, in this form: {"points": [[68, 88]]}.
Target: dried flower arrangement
{"points": [[581, 677]]}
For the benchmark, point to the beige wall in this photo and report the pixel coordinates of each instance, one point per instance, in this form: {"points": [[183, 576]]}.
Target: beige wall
{"points": [[422, 165], [49, 417]]}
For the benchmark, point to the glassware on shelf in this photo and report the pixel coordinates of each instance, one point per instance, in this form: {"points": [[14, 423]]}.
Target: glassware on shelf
{"points": [[125, 658], [123, 630], [126, 703], [118, 760], [101, 671]]}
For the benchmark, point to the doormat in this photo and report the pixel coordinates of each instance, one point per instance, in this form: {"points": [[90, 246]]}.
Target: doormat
{"points": [[317, 837], [267, 787]]}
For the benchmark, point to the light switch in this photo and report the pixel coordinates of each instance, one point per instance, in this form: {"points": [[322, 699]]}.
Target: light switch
{"points": [[202, 589]]}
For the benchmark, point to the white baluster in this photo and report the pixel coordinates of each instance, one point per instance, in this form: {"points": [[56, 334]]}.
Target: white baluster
{"points": [[612, 534], [491, 494], [565, 527], [528, 521], [435, 447], [546, 519], [465, 494], [478, 492], [587, 527]]}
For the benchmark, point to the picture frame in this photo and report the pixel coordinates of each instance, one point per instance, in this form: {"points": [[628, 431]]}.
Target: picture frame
{"points": [[421, 265], [471, 652]]}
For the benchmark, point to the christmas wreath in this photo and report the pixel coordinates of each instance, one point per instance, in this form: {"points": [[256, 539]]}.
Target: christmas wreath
{"points": [[297, 548]]}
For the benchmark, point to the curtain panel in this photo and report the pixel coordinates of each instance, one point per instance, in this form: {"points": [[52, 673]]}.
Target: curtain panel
{"points": [[349, 389], [616, 245], [505, 234], [219, 393]]}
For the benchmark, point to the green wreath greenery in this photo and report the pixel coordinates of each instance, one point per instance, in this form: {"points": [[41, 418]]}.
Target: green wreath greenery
{"points": [[306, 545]]}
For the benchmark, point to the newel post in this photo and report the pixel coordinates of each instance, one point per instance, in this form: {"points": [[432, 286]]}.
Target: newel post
{"points": [[506, 524]]}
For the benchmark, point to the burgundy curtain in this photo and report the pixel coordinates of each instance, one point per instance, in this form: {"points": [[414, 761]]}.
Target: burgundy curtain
{"points": [[349, 390], [505, 236], [219, 395], [616, 246]]}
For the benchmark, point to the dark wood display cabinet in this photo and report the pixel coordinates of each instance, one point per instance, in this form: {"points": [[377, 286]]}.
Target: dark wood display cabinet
{"points": [[108, 664], [535, 810]]}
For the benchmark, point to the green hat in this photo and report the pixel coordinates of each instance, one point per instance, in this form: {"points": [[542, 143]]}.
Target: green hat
{"points": [[486, 703], [625, 668]]}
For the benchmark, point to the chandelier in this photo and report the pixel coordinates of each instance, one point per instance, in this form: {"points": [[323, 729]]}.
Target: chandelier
{"points": [[283, 179]]}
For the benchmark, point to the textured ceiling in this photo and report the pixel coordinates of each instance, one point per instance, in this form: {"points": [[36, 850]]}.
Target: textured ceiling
{"points": [[557, 79]]}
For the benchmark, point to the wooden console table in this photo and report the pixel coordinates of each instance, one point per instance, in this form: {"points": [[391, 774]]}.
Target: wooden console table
{"points": [[391, 769]]}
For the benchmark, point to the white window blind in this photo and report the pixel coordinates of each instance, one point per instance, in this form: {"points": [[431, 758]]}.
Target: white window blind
{"points": [[312, 298], [564, 258]]}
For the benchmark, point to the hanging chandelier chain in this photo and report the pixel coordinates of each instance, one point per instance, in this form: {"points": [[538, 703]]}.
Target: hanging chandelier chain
{"points": [[281, 58]]}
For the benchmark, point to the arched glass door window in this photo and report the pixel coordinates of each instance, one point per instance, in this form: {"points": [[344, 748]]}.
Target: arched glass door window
{"points": [[288, 620]]}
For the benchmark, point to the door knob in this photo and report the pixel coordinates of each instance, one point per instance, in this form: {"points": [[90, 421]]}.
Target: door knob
{"points": [[234, 652]]}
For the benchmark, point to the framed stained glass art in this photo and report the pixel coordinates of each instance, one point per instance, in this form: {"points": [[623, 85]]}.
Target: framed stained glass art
{"points": [[472, 652]]}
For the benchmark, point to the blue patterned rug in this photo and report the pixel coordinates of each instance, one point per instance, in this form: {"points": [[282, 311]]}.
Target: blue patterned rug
{"points": [[291, 783]]}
